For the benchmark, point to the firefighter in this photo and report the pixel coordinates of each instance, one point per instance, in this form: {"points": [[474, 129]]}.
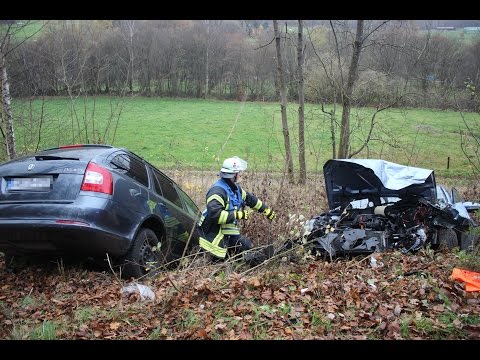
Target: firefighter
{"points": [[225, 207]]}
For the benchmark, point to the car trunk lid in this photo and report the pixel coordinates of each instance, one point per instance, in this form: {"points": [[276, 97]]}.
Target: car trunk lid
{"points": [[42, 178]]}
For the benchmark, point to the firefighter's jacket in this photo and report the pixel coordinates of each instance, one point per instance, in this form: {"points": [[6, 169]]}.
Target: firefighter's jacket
{"points": [[223, 200]]}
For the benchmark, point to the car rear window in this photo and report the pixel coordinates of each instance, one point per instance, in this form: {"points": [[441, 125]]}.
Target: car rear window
{"points": [[85, 154], [167, 189], [130, 166]]}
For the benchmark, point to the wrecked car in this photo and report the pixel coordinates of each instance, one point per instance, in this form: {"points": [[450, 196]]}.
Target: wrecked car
{"points": [[375, 205]]}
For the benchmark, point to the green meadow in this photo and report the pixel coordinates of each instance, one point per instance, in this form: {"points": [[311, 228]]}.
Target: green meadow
{"points": [[198, 134]]}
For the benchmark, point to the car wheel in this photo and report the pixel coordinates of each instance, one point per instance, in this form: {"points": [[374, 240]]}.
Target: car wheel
{"points": [[447, 239], [144, 256]]}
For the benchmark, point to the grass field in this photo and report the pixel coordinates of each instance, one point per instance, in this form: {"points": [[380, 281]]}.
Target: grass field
{"points": [[199, 134]]}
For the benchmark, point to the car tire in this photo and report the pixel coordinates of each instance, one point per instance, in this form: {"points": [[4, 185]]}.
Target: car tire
{"points": [[447, 239], [143, 259]]}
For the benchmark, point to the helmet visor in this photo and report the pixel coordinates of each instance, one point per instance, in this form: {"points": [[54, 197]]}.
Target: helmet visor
{"points": [[226, 175]]}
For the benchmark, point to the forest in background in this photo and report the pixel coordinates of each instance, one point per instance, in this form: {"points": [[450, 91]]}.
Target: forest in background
{"points": [[235, 59]]}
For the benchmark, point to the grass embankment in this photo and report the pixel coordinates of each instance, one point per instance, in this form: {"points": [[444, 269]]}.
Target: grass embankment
{"points": [[198, 134]]}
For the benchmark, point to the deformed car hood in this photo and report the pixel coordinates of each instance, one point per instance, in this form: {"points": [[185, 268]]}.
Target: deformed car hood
{"points": [[347, 180]]}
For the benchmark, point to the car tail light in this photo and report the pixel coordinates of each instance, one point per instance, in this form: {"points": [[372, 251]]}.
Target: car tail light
{"points": [[97, 179]]}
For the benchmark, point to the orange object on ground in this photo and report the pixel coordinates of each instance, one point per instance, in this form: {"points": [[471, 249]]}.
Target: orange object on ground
{"points": [[470, 278]]}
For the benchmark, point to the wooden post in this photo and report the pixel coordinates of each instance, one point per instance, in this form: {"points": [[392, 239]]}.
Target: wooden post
{"points": [[448, 162]]}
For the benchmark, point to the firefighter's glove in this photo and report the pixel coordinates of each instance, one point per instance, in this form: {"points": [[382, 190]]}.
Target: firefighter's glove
{"points": [[269, 213], [242, 214]]}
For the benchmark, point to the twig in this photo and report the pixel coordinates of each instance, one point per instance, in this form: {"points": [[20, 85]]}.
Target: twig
{"points": [[173, 284], [113, 272], [358, 262], [274, 257]]}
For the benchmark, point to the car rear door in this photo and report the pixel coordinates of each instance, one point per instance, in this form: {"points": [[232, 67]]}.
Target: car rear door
{"points": [[170, 207], [131, 184]]}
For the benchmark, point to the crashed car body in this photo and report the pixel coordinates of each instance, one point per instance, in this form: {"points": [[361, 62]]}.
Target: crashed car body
{"points": [[452, 196], [377, 205]]}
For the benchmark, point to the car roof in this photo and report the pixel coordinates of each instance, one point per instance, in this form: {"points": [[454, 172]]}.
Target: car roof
{"points": [[78, 151]]}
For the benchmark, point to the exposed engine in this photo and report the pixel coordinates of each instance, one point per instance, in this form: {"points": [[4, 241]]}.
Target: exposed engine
{"points": [[404, 225]]}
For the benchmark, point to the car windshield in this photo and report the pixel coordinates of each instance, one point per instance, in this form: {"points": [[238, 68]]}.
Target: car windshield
{"points": [[456, 196], [442, 195]]}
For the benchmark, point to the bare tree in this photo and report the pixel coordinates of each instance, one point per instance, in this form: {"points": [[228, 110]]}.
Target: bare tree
{"points": [[7, 117], [128, 33], [283, 95], [207, 51], [7, 33], [301, 106], [343, 148], [76, 52], [344, 86], [469, 139]]}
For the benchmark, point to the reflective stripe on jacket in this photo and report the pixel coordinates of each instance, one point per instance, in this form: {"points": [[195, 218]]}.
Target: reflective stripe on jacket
{"points": [[219, 218]]}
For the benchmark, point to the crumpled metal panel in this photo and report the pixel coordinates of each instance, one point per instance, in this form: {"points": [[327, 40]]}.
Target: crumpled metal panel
{"points": [[347, 180]]}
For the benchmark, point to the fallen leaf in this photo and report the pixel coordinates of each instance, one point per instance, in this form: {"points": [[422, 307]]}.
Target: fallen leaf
{"points": [[397, 310], [254, 282], [278, 295], [413, 301], [220, 327], [231, 335], [202, 334], [114, 325], [267, 294]]}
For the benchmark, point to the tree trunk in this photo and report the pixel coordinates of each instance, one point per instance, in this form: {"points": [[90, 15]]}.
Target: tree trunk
{"points": [[281, 76], [7, 111], [130, 25], [206, 58], [343, 149], [301, 104]]}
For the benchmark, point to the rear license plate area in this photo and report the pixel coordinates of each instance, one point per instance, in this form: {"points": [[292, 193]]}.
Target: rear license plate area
{"points": [[41, 183]]}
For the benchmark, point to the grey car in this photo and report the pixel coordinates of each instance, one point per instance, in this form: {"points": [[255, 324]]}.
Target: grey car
{"points": [[94, 200]]}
